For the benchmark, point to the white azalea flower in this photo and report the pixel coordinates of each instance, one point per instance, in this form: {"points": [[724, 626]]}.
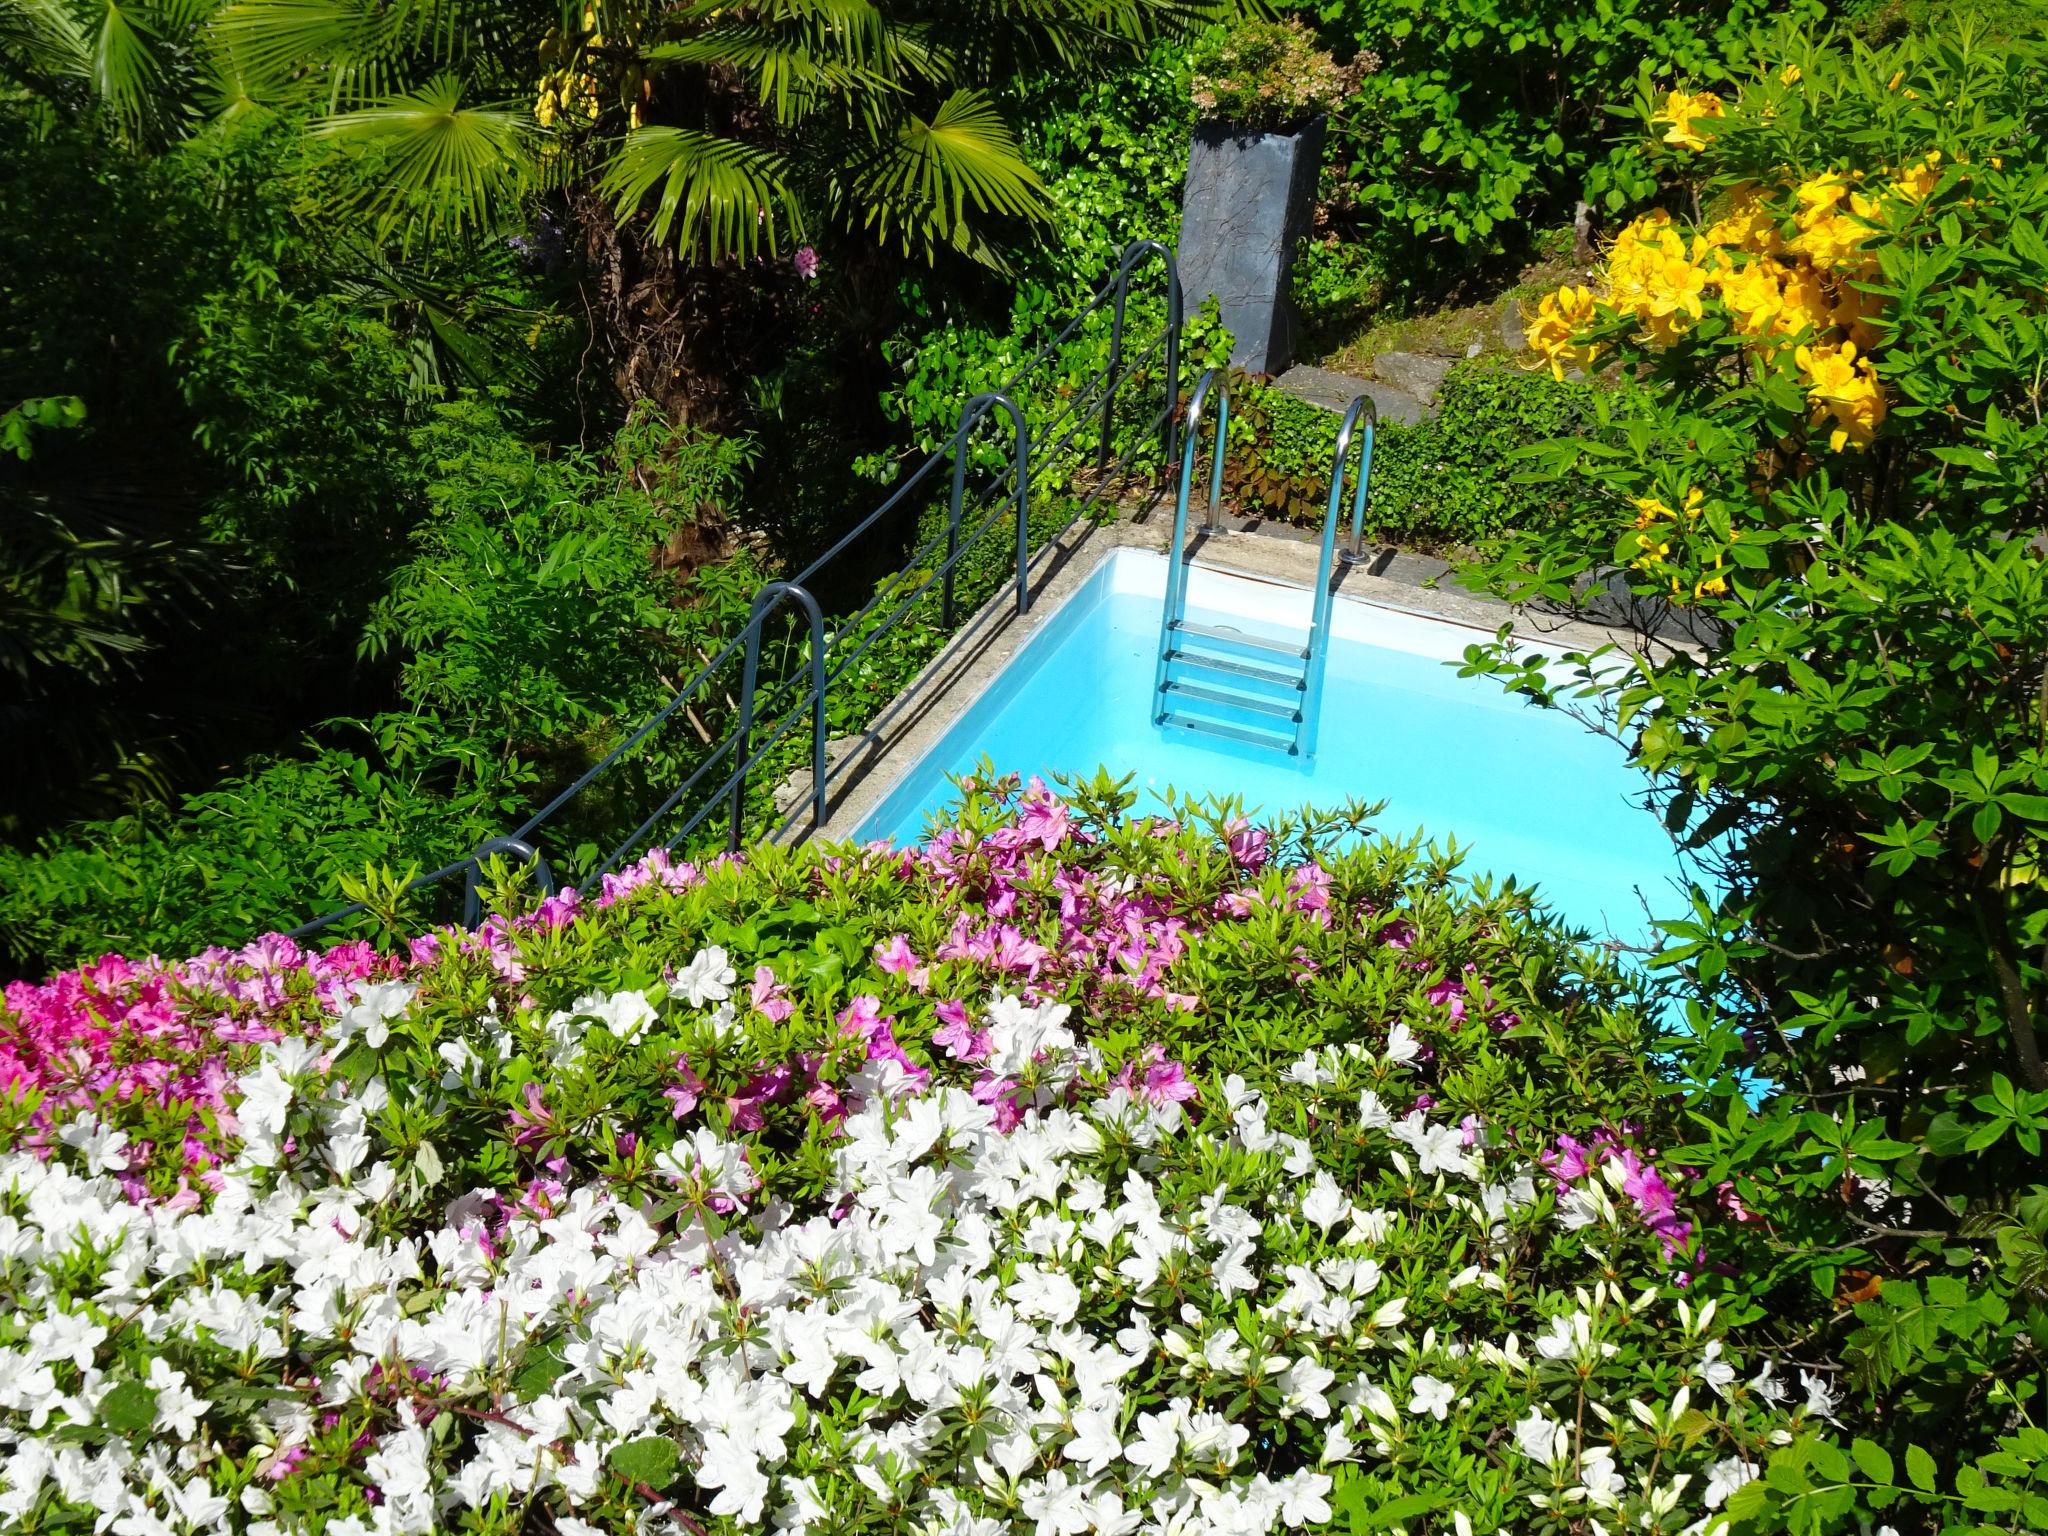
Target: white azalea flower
{"points": [[708, 978], [1427, 1395], [1724, 1477]]}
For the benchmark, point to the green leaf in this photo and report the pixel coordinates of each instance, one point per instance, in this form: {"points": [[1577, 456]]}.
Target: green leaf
{"points": [[651, 1460], [720, 198], [1395, 1511], [441, 165], [1920, 1468], [1874, 1460], [129, 1409]]}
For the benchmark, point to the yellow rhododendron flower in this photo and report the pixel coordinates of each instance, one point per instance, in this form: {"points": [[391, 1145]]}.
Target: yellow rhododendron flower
{"points": [[1683, 112], [1834, 242], [1805, 302], [1819, 196], [1711, 586], [1651, 274], [1673, 292], [1916, 182], [1650, 511], [1748, 225], [1844, 387], [1856, 314], [1754, 296], [1553, 328]]}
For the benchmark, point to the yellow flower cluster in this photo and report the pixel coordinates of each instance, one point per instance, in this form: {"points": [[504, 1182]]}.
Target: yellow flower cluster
{"points": [[1683, 111], [1787, 283], [566, 95], [1655, 521]]}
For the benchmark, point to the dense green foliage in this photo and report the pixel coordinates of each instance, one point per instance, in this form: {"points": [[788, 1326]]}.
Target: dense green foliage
{"points": [[1484, 124], [1836, 456], [1443, 483], [533, 629]]}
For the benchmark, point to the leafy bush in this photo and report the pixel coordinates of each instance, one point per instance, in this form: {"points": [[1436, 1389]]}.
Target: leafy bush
{"points": [[536, 624], [1485, 122], [174, 583], [1831, 445], [1268, 74], [1444, 483], [1065, 1169]]}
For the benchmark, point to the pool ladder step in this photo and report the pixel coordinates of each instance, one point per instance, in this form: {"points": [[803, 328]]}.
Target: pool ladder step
{"points": [[1259, 689], [1230, 698], [1234, 667], [1258, 645], [1224, 728]]}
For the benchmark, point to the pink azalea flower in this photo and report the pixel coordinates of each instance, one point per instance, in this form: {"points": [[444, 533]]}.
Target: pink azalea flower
{"points": [[1248, 844], [1042, 818], [897, 958], [770, 997], [687, 1091], [957, 1034]]}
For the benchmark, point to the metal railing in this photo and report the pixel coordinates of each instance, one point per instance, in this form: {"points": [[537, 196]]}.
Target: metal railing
{"points": [[1048, 458], [1178, 555], [1362, 411]]}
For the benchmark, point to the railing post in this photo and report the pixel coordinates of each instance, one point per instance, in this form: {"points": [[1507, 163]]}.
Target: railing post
{"points": [[1021, 468], [1212, 381], [968, 418], [1116, 361], [770, 597], [1367, 414], [472, 873], [1134, 253], [1212, 520]]}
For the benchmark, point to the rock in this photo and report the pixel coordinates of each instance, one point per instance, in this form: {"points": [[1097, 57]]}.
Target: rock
{"points": [[1335, 391], [1413, 373], [1514, 334], [1475, 349]]}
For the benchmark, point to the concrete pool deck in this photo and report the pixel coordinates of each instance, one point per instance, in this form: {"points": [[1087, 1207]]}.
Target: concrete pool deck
{"points": [[863, 769]]}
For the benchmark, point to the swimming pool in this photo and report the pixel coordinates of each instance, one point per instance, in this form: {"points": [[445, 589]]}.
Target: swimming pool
{"points": [[1536, 794]]}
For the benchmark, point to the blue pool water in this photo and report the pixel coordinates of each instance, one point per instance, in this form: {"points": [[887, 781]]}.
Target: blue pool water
{"points": [[1535, 794]]}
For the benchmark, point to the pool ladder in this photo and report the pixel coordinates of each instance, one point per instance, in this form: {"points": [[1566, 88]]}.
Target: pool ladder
{"points": [[1263, 690]]}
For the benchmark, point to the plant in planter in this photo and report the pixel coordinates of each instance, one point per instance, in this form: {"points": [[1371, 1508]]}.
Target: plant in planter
{"points": [[1262, 89]]}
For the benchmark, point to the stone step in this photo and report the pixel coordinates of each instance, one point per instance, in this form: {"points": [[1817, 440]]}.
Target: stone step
{"points": [[1335, 391]]}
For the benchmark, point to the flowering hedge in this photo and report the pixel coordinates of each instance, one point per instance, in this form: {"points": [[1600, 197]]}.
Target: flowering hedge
{"points": [[1069, 1172]]}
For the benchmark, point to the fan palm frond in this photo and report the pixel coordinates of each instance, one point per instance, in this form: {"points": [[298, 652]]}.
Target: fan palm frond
{"points": [[354, 51], [722, 198], [432, 161], [927, 177], [43, 39], [127, 66], [792, 52]]}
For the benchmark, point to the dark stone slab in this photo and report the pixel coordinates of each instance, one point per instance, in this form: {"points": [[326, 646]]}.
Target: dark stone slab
{"points": [[1245, 208], [1334, 392], [1420, 374]]}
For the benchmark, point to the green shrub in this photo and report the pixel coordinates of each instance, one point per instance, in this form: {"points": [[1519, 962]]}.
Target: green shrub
{"points": [[1485, 122], [1443, 483], [1832, 448], [1267, 74], [534, 625], [1221, 1171]]}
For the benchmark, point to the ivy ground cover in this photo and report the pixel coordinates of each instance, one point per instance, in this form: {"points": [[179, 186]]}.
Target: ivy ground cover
{"points": [[1068, 1173]]}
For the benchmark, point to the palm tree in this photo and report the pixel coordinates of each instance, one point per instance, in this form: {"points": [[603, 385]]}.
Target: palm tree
{"points": [[739, 128], [684, 136]]}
